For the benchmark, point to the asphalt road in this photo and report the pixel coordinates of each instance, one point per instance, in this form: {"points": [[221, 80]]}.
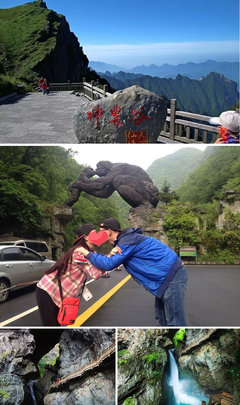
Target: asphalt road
{"points": [[212, 299]]}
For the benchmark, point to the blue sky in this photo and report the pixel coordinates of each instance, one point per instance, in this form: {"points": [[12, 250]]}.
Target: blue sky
{"points": [[129, 33]]}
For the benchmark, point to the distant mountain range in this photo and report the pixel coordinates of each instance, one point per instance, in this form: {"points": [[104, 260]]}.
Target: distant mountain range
{"points": [[197, 175], [191, 70], [209, 96], [176, 167]]}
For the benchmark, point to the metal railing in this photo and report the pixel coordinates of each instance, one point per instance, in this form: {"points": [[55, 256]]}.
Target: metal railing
{"points": [[188, 127]]}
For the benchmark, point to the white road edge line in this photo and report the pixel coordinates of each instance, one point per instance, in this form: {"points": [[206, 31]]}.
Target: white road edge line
{"points": [[29, 311]]}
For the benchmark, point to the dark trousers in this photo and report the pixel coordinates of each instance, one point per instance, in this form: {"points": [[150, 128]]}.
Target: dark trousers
{"points": [[48, 310], [170, 309]]}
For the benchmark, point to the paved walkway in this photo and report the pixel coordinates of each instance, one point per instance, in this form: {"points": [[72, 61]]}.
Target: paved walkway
{"points": [[37, 118]]}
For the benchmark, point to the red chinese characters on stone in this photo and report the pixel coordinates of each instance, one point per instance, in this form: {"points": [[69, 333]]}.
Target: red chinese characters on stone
{"points": [[116, 116], [96, 114], [138, 116]]}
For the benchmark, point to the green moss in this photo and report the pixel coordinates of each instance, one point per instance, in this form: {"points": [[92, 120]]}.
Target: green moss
{"points": [[4, 394], [130, 401], [179, 336]]}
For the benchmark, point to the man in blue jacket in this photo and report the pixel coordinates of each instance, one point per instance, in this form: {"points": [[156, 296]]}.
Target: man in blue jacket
{"points": [[150, 263]]}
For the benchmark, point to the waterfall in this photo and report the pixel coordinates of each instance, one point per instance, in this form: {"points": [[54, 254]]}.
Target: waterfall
{"points": [[181, 397], [31, 386]]}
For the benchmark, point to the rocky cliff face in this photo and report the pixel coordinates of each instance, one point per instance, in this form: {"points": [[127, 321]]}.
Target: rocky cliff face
{"points": [[63, 383], [142, 358], [209, 359], [209, 356], [66, 61]]}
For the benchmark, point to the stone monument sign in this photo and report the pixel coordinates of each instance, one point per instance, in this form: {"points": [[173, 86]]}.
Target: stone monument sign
{"points": [[132, 115]]}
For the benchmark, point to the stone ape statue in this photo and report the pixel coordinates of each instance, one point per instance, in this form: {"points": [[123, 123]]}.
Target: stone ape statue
{"points": [[130, 181]]}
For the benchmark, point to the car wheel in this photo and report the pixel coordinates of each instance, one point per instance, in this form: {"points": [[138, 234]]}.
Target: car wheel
{"points": [[4, 292]]}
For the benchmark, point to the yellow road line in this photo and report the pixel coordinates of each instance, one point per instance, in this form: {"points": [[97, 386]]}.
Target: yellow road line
{"points": [[14, 318], [90, 311]]}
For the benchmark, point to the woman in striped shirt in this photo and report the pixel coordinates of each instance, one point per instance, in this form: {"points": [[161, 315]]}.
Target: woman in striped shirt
{"points": [[73, 270]]}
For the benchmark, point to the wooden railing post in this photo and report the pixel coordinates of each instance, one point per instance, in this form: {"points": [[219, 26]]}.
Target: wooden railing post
{"points": [[92, 84], [83, 88], [104, 90], [69, 85], [172, 118]]}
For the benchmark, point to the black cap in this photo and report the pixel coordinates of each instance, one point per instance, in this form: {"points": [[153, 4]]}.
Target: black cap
{"points": [[110, 223], [84, 229]]}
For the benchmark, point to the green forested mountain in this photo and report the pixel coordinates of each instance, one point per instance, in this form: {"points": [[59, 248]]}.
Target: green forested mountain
{"points": [[218, 172], [209, 96], [199, 218], [33, 180], [176, 167]]}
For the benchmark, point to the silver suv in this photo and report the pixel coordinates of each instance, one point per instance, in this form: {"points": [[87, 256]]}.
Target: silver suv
{"points": [[37, 245], [19, 267]]}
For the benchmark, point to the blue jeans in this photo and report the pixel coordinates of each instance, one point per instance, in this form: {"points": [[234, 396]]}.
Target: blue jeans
{"points": [[169, 310]]}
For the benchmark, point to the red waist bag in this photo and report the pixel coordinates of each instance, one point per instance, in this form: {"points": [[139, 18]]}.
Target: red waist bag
{"points": [[68, 310]]}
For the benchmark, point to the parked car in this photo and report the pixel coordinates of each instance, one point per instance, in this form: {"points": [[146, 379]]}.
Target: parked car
{"points": [[19, 267], [38, 245]]}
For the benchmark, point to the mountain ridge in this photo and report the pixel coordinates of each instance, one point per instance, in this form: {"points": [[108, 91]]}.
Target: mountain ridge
{"points": [[190, 69], [209, 96]]}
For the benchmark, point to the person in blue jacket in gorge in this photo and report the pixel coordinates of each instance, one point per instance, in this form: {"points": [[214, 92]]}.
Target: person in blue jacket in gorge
{"points": [[152, 264]]}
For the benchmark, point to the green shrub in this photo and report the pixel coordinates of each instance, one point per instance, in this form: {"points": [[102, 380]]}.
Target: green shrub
{"points": [[8, 85]]}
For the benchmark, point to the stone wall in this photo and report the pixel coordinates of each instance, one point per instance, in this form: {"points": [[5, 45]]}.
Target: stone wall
{"points": [[150, 220], [231, 202], [55, 224]]}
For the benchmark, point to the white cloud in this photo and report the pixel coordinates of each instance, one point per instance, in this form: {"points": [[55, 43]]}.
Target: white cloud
{"points": [[161, 50], [138, 154]]}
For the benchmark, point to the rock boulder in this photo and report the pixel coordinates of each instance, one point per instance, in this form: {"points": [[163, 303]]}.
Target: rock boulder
{"points": [[132, 115]]}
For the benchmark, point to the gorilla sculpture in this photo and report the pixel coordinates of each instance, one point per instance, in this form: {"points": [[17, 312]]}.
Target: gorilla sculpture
{"points": [[130, 181]]}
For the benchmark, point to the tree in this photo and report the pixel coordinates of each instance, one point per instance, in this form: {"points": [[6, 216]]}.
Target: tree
{"points": [[33, 180], [181, 225], [165, 194]]}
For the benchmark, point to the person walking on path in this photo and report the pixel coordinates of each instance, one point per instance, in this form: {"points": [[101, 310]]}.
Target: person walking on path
{"points": [[73, 270], [151, 263]]}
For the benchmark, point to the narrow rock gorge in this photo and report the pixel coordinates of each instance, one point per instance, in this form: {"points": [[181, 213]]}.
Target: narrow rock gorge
{"points": [[57, 366]]}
